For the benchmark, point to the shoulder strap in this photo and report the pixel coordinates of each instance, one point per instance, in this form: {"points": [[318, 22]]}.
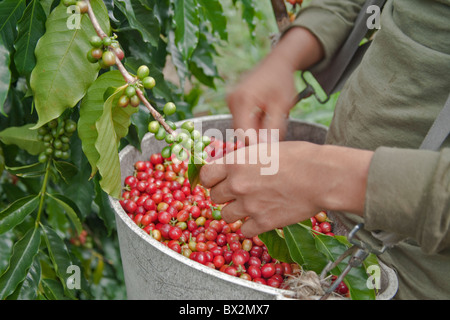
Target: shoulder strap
{"points": [[439, 130], [345, 61]]}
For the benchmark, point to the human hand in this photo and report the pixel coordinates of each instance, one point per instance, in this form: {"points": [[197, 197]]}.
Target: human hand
{"points": [[265, 96], [310, 178]]}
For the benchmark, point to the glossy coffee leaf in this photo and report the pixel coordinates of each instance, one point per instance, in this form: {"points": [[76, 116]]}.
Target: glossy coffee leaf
{"points": [[302, 247], [356, 279], [62, 73], [187, 26], [17, 211], [70, 208], [276, 246], [23, 137], [5, 74], [59, 255], [31, 28], [91, 110], [111, 127], [21, 259], [10, 13]]}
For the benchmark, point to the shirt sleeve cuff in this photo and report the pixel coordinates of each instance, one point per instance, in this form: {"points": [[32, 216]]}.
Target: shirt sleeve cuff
{"points": [[408, 193]]}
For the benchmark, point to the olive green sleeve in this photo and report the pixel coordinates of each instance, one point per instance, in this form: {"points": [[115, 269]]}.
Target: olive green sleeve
{"points": [[408, 192], [330, 21]]}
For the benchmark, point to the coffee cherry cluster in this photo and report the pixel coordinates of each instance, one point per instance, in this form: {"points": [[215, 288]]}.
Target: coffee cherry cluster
{"points": [[56, 136], [159, 199], [188, 141], [104, 51], [144, 81], [321, 223]]}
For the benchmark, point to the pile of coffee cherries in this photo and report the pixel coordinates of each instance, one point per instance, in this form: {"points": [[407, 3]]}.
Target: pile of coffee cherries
{"points": [[159, 199]]}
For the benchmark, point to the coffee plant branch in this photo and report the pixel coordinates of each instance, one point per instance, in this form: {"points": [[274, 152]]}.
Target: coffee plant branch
{"points": [[127, 76]]}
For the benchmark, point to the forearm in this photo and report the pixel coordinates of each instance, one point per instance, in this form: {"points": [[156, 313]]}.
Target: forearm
{"points": [[298, 49], [339, 177]]}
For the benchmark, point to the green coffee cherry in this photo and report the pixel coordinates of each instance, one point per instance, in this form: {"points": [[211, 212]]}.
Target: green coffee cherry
{"points": [[182, 137], [199, 146], [42, 131], [69, 3], [206, 140], [130, 91], [52, 124], [169, 108], [148, 82], [143, 72], [42, 157], [161, 134], [65, 139], [170, 139], [57, 144], [96, 41], [107, 41], [153, 126], [188, 125], [196, 135], [135, 101], [166, 152], [70, 126], [172, 125], [123, 101]]}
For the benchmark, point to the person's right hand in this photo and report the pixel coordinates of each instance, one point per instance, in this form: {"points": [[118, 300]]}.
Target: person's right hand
{"points": [[264, 98]]}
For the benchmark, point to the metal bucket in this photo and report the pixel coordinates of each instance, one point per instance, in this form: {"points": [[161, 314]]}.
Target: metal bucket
{"points": [[153, 271]]}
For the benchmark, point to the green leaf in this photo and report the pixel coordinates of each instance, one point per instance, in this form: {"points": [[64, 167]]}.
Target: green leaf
{"points": [[249, 14], [91, 110], [111, 127], [71, 209], [356, 279], [105, 212], [177, 59], [302, 248], [213, 10], [142, 19], [23, 137], [10, 12], [62, 73], [31, 28], [26, 169], [5, 75], [53, 290], [65, 169], [276, 246], [194, 171], [187, 26], [29, 288], [59, 255], [202, 64], [79, 188], [22, 258], [17, 211]]}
